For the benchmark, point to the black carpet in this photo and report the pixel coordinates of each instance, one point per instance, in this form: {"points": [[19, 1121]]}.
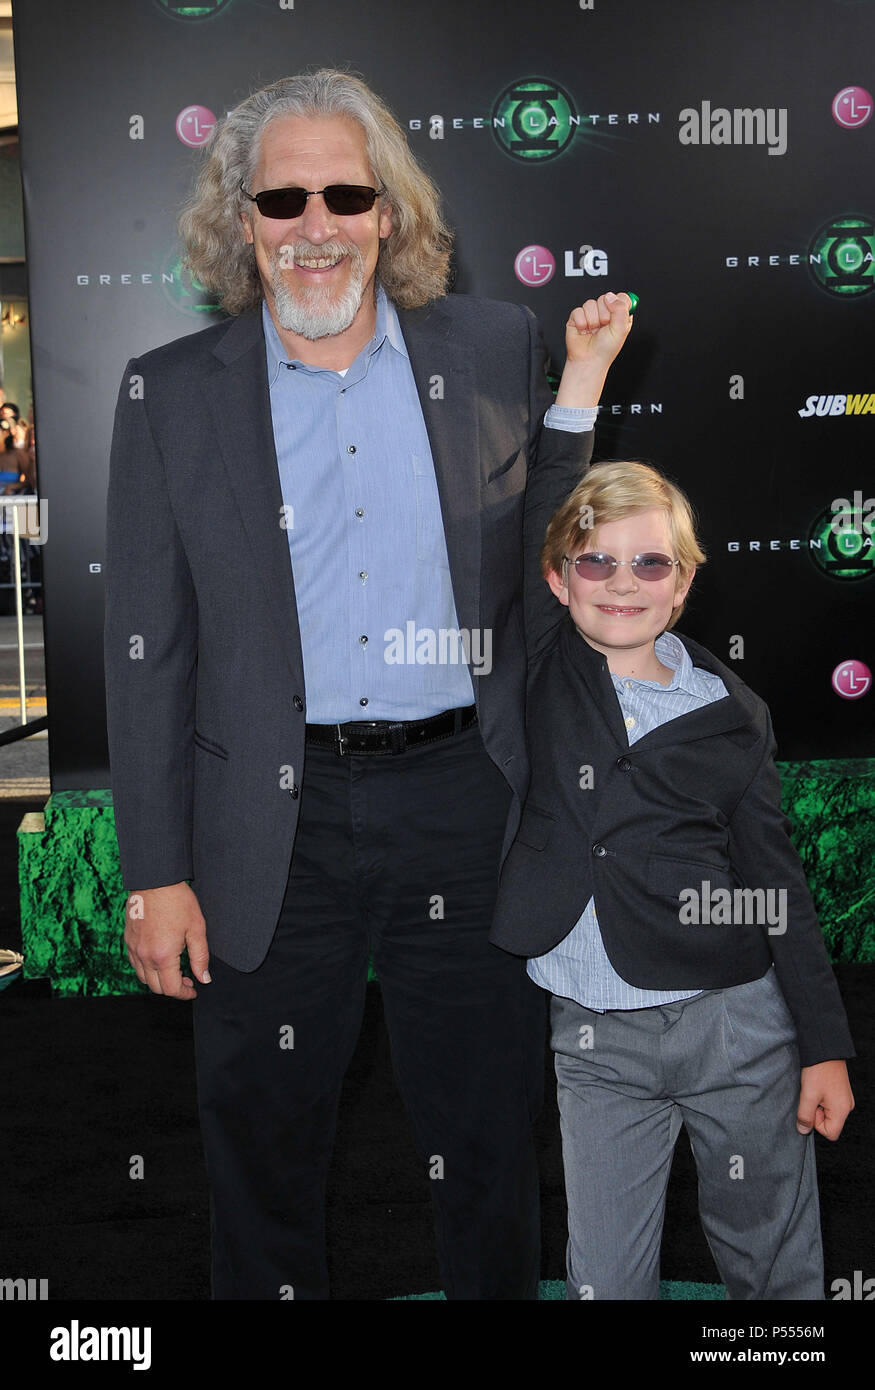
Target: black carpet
{"points": [[91, 1085]]}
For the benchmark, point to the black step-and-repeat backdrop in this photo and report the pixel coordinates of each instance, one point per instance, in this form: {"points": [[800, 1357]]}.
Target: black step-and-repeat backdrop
{"points": [[715, 158]]}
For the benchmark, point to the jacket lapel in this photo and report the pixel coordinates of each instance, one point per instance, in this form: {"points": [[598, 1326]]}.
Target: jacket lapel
{"points": [[443, 369], [589, 668], [720, 717], [240, 405], [734, 711]]}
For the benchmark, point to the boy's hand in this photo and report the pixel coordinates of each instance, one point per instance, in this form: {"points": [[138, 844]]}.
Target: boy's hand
{"points": [[598, 328], [825, 1100], [594, 334]]}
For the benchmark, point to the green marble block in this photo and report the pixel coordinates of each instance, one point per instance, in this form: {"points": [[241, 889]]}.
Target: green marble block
{"points": [[831, 806], [72, 899], [73, 902]]}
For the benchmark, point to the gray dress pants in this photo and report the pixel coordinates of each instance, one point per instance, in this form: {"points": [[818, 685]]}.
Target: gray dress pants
{"points": [[725, 1064]]}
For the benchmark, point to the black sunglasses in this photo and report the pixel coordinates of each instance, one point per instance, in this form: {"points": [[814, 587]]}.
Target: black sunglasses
{"points": [[342, 199], [595, 565]]}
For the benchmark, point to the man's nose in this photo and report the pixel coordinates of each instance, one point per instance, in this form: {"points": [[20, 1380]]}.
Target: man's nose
{"points": [[316, 223]]}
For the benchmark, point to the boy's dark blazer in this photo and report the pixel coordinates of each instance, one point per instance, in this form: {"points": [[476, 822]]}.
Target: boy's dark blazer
{"points": [[697, 800], [206, 704]]}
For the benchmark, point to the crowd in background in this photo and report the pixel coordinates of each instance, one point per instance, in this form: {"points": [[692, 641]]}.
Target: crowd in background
{"points": [[19, 449], [18, 456]]}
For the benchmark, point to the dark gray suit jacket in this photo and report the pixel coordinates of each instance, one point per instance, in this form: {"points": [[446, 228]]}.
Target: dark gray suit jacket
{"points": [[697, 800], [206, 704]]}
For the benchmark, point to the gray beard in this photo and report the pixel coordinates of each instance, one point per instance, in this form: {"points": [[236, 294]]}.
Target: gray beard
{"points": [[318, 312]]}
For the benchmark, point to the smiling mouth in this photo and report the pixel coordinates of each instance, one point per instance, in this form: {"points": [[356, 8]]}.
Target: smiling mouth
{"points": [[318, 262]]}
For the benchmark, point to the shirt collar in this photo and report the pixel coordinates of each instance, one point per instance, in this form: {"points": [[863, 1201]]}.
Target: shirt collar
{"points": [[671, 652], [387, 327]]}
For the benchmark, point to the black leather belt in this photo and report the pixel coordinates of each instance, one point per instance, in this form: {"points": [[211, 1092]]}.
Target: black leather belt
{"points": [[381, 736]]}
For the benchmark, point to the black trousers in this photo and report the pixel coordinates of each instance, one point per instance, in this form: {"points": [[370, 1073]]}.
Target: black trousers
{"points": [[396, 855]]}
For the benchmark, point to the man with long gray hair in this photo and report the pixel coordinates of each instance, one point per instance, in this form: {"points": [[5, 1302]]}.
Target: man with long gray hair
{"points": [[316, 678]]}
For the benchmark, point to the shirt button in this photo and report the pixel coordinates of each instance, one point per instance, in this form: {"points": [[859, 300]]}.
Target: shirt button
{"points": [[298, 703], [628, 685], [363, 700], [629, 722], [363, 574], [350, 448], [359, 511], [364, 641], [599, 851]]}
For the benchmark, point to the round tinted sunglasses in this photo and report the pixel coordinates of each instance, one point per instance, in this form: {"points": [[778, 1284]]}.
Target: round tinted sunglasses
{"points": [[593, 564], [341, 199]]}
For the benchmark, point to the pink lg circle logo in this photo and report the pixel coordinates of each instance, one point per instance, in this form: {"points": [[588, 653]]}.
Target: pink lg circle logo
{"points": [[851, 679], [194, 125], [534, 265], [852, 107]]}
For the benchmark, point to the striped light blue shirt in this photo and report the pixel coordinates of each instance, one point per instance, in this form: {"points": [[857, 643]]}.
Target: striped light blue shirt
{"points": [[579, 968], [366, 536], [365, 531]]}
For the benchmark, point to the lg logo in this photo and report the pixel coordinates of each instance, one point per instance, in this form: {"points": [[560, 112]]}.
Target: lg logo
{"points": [[536, 265], [851, 679], [590, 261], [852, 107], [195, 125]]}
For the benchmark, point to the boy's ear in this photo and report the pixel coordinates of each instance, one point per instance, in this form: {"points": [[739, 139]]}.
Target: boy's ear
{"points": [[557, 584]]}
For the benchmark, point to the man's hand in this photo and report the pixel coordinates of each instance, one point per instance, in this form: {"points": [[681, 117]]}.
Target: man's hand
{"points": [[159, 924], [825, 1100], [594, 335]]}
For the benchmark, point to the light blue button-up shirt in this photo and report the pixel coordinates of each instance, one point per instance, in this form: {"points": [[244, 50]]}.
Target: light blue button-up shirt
{"points": [[366, 535], [579, 968], [365, 532]]}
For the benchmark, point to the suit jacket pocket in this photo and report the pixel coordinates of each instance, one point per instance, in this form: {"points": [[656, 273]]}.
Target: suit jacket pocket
{"points": [[209, 746], [668, 878], [536, 827], [505, 467]]}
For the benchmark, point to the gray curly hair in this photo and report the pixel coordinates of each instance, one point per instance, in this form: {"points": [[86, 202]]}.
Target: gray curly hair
{"points": [[413, 265]]}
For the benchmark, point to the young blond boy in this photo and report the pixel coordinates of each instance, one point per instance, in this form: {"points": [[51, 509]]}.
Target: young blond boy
{"points": [[655, 889]]}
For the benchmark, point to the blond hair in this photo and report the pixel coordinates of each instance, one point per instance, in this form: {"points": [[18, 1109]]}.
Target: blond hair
{"points": [[612, 492], [414, 259]]}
